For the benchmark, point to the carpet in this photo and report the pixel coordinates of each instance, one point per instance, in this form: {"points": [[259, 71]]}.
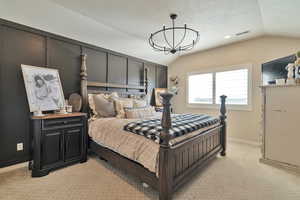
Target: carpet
{"points": [[238, 176]]}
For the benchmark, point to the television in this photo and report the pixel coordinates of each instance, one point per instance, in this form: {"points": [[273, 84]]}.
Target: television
{"points": [[276, 69]]}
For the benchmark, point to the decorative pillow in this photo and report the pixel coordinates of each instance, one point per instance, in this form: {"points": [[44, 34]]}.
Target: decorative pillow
{"points": [[139, 103], [140, 113], [120, 104], [102, 105]]}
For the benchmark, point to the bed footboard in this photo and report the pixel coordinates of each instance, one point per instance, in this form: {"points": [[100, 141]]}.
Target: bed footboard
{"points": [[179, 162]]}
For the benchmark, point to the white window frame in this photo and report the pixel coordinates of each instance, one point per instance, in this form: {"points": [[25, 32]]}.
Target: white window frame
{"points": [[247, 107]]}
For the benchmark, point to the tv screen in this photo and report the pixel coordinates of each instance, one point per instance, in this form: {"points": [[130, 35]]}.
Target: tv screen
{"points": [[276, 69]]}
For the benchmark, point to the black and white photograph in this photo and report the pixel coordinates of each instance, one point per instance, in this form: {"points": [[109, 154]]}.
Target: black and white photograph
{"points": [[43, 88]]}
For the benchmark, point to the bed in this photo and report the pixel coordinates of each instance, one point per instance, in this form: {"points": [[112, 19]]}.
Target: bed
{"points": [[165, 166]]}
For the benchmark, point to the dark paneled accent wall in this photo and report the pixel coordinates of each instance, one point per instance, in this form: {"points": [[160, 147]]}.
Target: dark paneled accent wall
{"points": [[20, 44], [161, 76]]}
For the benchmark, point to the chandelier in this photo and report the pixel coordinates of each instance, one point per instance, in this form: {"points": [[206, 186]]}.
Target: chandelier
{"points": [[174, 45]]}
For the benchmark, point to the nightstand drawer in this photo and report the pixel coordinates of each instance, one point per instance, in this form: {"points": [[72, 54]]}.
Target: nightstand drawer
{"points": [[62, 123]]}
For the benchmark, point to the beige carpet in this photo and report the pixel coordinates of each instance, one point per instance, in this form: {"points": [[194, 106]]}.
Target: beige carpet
{"points": [[239, 176]]}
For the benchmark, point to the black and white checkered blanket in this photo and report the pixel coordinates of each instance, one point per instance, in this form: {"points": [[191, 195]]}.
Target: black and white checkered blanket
{"points": [[181, 125]]}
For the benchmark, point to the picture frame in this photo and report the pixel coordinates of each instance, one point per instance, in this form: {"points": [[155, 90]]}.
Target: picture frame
{"points": [[43, 88]]}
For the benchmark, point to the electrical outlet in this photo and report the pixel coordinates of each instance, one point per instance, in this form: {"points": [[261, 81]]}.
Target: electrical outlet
{"points": [[20, 147]]}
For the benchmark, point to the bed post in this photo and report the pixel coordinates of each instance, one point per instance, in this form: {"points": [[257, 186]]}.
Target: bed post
{"points": [[146, 80], [83, 83], [223, 123], [165, 168]]}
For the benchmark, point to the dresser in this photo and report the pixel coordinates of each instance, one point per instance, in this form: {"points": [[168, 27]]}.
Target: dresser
{"points": [[281, 126], [59, 140]]}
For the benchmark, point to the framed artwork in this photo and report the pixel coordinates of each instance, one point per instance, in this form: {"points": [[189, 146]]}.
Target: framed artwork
{"points": [[43, 88], [158, 98]]}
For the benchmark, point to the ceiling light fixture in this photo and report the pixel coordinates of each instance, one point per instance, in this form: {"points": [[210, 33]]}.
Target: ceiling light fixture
{"points": [[172, 46], [227, 36]]}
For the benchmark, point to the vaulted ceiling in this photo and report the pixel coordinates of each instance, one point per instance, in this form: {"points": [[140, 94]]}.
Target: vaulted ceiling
{"points": [[125, 25]]}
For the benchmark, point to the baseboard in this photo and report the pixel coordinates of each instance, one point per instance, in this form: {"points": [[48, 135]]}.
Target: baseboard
{"points": [[242, 141], [14, 162], [281, 165]]}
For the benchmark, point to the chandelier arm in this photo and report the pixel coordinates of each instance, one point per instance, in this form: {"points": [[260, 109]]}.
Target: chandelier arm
{"points": [[181, 39], [173, 22], [187, 47], [166, 39], [156, 46], [177, 27], [161, 47], [191, 45]]}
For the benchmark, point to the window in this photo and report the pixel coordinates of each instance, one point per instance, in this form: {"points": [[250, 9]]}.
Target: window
{"points": [[205, 89], [203, 83]]}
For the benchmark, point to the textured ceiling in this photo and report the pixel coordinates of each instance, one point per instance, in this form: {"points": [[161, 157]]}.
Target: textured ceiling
{"points": [[213, 19]]}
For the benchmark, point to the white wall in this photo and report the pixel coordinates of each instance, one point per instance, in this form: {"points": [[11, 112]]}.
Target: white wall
{"points": [[243, 125]]}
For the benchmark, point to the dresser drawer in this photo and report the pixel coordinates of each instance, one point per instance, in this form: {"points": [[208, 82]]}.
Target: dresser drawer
{"points": [[62, 123]]}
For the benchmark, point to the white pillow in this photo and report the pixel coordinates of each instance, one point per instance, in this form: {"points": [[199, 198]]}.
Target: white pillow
{"points": [[139, 103], [120, 104], [102, 105], [140, 113]]}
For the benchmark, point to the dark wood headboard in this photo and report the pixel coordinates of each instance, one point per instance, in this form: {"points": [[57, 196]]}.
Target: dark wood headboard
{"points": [[85, 85]]}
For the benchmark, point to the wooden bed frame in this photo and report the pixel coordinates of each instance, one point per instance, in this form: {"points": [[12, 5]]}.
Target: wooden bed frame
{"points": [[178, 162]]}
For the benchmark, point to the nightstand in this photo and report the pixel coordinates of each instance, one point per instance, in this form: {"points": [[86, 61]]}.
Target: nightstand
{"points": [[59, 140]]}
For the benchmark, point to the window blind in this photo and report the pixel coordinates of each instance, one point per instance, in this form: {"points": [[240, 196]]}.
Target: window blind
{"points": [[200, 88], [234, 84]]}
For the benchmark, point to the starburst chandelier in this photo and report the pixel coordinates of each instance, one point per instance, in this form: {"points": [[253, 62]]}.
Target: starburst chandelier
{"points": [[172, 44]]}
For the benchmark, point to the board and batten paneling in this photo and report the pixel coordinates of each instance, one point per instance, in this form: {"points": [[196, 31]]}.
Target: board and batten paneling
{"points": [[97, 65], [117, 71], [14, 108], [161, 77], [20, 44], [151, 82], [135, 74], [64, 57]]}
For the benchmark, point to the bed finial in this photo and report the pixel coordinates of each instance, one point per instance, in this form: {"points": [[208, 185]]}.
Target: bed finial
{"points": [[223, 123], [83, 83], [146, 69]]}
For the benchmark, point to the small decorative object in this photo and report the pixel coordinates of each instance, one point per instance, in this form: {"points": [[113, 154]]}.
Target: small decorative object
{"points": [[43, 88], [297, 68], [290, 76], [158, 98], [174, 85], [69, 108], [38, 113], [290, 81], [75, 101], [280, 81], [174, 45], [62, 110]]}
